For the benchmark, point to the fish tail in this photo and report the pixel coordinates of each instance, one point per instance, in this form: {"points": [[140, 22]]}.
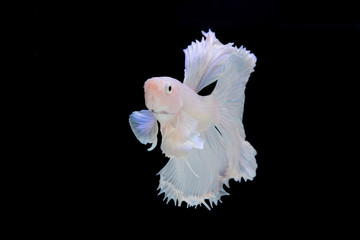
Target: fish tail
{"points": [[230, 96]]}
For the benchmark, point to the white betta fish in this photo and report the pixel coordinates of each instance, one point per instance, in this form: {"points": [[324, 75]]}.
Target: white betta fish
{"points": [[202, 135]]}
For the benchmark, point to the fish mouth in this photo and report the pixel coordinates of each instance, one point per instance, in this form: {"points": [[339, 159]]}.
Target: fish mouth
{"points": [[159, 112]]}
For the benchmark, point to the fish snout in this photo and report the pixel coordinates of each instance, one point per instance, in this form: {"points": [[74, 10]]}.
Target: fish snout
{"points": [[151, 98], [152, 86], [152, 93]]}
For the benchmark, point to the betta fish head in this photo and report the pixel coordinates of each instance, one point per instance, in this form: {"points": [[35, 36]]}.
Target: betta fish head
{"points": [[163, 97]]}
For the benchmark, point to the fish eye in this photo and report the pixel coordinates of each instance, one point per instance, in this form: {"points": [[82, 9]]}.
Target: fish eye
{"points": [[168, 88]]}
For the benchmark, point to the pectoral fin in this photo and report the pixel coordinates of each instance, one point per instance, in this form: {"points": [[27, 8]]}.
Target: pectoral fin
{"points": [[180, 139], [145, 127]]}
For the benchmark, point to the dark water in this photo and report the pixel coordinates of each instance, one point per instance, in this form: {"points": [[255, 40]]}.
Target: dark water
{"points": [[90, 62]]}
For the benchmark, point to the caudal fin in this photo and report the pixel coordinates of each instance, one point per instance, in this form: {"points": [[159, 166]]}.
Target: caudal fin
{"points": [[230, 97]]}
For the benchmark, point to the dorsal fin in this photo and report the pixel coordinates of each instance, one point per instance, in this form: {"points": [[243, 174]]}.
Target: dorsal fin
{"points": [[204, 61]]}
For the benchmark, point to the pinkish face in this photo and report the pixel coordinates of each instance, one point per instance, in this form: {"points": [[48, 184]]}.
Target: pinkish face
{"points": [[163, 96]]}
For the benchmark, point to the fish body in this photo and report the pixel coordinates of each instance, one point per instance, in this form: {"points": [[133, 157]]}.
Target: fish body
{"points": [[202, 135]]}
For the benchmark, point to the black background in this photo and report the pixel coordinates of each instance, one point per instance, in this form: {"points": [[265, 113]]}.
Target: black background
{"points": [[90, 62]]}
